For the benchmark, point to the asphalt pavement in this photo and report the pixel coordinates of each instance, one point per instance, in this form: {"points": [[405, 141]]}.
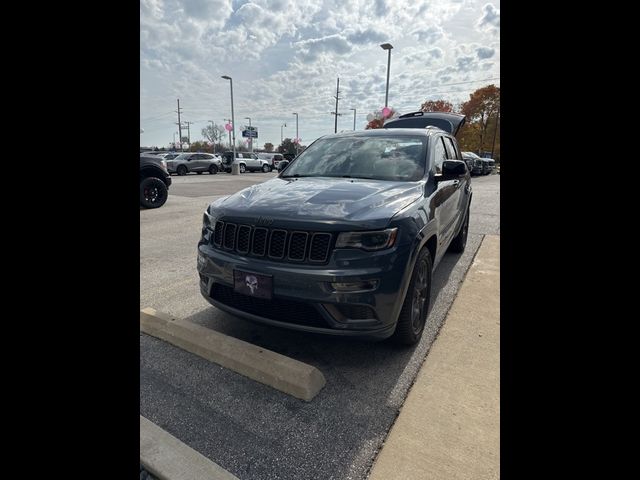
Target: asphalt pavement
{"points": [[250, 429]]}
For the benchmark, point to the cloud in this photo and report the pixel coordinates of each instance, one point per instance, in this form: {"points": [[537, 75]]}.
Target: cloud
{"points": [[313, 47], [206, 9], [485, 52], [284, 56], [430, 34], [381, 8], [366, 36], [490, 19]]}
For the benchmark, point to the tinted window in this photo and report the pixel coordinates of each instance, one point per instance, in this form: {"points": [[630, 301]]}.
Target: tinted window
{"points": [[451, 148], [440, 154]]}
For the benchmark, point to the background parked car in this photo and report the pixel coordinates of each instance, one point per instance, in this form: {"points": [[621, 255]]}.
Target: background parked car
{"points": [[486, 166], [154, 181], [273, 158], [247, 162], [477, 165], [195, 162]]}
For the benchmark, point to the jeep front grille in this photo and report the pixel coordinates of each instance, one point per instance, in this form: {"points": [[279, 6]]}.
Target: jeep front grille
{"points": [[275, 243]]}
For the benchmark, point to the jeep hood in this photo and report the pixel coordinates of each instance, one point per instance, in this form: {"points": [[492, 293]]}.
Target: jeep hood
{"points": [[333, 200]]}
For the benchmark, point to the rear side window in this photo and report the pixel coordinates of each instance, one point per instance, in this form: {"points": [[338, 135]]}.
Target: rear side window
{"points": [[451, 148], [440, 154]]}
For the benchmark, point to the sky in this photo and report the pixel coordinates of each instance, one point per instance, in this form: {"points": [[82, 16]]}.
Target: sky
{"points": [[285, 55]]}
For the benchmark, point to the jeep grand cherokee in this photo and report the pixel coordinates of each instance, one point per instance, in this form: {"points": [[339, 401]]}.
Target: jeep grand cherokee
{"points": [[345, 239]]}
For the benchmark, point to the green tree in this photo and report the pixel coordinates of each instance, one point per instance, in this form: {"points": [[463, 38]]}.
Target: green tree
{"points": [[482, 111], [437, 106], [268, 147], [287, 146]]}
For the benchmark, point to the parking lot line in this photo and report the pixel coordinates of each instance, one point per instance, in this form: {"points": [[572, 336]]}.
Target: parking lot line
{"points": [[270, 368], [167, 458]]}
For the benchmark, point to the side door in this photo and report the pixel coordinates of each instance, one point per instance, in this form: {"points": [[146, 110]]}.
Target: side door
{"points": [[200, 162], [446, 199], [256, 163], [462, 192]]}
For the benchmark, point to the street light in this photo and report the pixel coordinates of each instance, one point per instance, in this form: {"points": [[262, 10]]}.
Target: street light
{"points": [[297, 139], [233, 122], [250, 133], [281, 137], [354, 118], [387, 46]]}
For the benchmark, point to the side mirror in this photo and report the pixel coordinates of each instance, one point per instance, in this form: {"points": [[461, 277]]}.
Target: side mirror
{"points": [[452, 170]]}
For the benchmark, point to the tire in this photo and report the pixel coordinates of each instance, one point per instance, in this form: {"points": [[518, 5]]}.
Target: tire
{"points": [[182, 170], [242, 168], [153, 192], [460, 240], [213, 169], [415, 307], [266, 168]]}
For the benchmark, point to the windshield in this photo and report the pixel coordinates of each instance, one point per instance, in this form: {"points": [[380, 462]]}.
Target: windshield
{"points": [[471, 154], [183, 156], [379, 158]]}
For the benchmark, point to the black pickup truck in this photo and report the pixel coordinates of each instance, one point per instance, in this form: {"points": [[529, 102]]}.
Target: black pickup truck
{"points": [[154, 181], [344, 240]]}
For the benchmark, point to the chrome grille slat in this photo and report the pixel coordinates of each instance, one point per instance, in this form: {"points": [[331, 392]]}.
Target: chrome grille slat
{"points": [[276, 243], [297, 248], [230, 236], [319, 249], [259, 243], [244, 239]]}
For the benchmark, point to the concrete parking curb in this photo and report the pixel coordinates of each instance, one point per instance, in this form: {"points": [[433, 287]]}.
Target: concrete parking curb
{"points": [[449, 425], [167, 458], [273, 369]]}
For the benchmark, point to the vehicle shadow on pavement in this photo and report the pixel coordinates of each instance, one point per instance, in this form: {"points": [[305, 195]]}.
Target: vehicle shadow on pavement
{"points": [[259, 431]]}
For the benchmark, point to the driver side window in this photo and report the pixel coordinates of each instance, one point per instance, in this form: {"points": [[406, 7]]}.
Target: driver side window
{"points": [[440, 154]]}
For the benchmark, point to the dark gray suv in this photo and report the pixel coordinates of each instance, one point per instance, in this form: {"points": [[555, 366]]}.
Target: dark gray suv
{"points": [[345, 239]]}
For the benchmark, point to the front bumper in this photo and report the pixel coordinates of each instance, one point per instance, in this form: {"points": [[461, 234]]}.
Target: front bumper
{"points": [[303, 298]]}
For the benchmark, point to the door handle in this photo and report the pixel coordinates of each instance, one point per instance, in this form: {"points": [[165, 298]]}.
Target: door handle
{"points": [[456, 183]]}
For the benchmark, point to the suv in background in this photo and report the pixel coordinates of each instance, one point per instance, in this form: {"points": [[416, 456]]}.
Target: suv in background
{"points": [[477, 165], [247, 162], [195, 162], [154, 181], [274, 159], [344, 240]]}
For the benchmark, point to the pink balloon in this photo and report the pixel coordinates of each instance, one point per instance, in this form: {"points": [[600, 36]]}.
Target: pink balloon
{"points": [[228, 127], [386, 111]]}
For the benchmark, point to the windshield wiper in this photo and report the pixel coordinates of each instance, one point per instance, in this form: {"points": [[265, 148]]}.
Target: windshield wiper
{"points": [[296, 175]]}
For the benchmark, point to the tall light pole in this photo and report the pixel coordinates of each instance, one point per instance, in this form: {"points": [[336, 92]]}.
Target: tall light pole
{"points": [[228, 120], [297, 139], [281, 137], [354, 118], [387, 46], [233, 122], [250, 133]]}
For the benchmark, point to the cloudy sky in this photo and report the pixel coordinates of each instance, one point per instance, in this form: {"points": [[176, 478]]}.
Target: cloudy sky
{"points": [[285, 55]]}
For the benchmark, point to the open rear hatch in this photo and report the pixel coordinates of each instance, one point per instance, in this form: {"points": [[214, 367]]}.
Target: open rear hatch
{"points": [[449, 122]]}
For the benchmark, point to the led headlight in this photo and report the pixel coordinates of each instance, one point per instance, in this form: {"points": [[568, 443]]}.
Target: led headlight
{"points": [[375, 240]]}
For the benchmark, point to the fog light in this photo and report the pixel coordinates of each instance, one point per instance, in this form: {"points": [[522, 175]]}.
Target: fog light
{"points": [[362, 286]]}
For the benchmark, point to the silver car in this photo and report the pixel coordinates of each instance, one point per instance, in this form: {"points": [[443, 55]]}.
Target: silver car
{"points": [[195, 162]]}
